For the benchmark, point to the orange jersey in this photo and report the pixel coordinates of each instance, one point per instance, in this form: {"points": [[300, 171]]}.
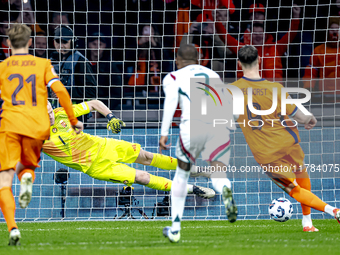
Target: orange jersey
{"points": [[23, 85], [271, 141]]}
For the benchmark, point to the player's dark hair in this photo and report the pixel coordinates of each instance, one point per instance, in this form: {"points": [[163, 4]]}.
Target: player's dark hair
{"points": [[188, 52], [19, 35], [247, 55]]}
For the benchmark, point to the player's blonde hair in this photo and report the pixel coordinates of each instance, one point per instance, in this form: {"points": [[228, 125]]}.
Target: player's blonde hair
{"points": [[19, 35]]}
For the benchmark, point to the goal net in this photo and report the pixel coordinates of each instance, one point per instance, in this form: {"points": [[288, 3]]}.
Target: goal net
{"points": [[131, 45]]}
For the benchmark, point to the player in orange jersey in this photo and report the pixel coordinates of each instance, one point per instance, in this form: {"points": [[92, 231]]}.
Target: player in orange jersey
{"points": [[24, 120], [274, 145]]}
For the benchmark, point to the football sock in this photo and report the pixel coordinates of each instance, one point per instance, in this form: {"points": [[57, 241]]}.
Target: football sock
{"points": [[329, 209], [219, 180], [302, 178], [307, 221], [26, 171], [307, 198], [163, 162], [7, 205], [178, 195], [159, 183], [164, 184]]}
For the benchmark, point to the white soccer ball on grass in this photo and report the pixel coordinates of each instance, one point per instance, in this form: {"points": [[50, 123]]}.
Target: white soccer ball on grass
{"points": [[280, 209]]}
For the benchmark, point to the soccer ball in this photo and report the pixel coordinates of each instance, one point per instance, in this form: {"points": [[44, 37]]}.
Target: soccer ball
{"points": [[280, 209]]}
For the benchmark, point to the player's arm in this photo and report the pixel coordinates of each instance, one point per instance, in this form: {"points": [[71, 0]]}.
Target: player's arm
{"points": [[170, 105], [114, 123], [52, 81], [309, 120], [65, 101]]}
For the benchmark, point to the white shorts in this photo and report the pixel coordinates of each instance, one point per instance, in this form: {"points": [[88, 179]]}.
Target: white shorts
{"points": [[212, 142]]}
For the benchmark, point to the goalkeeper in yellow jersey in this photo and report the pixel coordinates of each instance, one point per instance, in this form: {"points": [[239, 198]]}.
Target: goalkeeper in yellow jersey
{"points": [[103, 158]]}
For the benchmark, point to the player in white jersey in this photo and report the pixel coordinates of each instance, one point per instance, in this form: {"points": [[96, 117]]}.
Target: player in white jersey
{"points": [[212, 143]]}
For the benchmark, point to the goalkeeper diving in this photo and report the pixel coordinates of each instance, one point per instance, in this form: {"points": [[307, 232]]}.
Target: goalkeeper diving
{"points": [[103, 158]]}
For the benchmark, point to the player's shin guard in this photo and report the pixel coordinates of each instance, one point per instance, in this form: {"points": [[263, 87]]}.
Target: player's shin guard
{"points": [[159, 183], [7, 205], [307, 198], [26, 171], [164, 162], [178, 195]]}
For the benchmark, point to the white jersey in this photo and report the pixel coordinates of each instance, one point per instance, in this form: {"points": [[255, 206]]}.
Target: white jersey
{"points": [[177, 86]]}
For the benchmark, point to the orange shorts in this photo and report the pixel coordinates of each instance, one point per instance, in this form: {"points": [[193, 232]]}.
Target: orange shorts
{"points": [[16, 148], [283, 171]]}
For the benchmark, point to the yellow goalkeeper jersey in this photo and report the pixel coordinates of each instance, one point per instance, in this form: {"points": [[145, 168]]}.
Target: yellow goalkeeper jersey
{"points": [[65, 146]]}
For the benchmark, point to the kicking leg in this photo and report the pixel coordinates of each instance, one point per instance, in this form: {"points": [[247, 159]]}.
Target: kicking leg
{"points": [[156, 160], [307, 198]]}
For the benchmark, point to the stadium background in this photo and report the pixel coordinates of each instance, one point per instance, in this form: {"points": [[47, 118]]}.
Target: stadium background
{"points": [[129, 84]]}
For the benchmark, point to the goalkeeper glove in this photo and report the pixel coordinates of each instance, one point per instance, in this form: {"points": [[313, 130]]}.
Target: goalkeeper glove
{"points": [[114, 124]]}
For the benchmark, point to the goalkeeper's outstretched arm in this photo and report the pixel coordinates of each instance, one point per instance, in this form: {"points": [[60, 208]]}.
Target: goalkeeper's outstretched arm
{"points": [[99, 106], [114, 123]]}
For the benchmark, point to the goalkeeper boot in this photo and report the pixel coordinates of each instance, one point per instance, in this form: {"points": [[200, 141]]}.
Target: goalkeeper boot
{"points": [[203, 192], [172, 236], [25, 190], [14, 237], [229, 203], [337, 214]]}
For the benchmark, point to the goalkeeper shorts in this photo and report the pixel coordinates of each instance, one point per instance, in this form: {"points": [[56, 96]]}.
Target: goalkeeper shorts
{"points": [[16, 148], [282, 171], [198, 138], [109, 164]]}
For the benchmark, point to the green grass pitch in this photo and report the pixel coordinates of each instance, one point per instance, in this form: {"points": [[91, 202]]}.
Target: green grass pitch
{"points": [[198, 237]]}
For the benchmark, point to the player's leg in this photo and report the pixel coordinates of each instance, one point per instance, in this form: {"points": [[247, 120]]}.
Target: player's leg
{"points": [[189, 146], [109, 168], [304, 196], [217, 153], [132, 153], [178, 196], [30, 157], [307, 198], [302, 178], [296, 157], [157, 160], [285, 178], [9, 156], [164, 184]]}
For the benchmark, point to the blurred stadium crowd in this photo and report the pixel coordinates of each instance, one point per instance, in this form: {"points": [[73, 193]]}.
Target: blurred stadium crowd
{"points": [[130, 45]]}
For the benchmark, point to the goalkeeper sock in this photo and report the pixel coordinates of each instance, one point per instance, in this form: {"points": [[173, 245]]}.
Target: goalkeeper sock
{"points": [[307, 198], [219, 180], [7, 205], [159, 183], [163, 162], [302, 178], [178, 195], [26, 171]]}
